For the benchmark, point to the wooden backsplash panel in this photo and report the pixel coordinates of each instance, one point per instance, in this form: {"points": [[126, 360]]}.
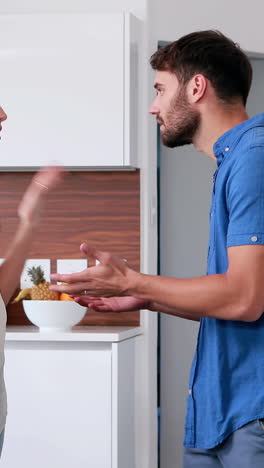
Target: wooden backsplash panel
{"points": [[101, 208]]}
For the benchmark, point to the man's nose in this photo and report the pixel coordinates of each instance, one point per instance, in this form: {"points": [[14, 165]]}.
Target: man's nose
{"points": [[3, 115], [154, 109]]}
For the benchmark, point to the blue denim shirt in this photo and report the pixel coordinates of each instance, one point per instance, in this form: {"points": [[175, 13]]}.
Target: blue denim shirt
{"points": [[227, 376]]}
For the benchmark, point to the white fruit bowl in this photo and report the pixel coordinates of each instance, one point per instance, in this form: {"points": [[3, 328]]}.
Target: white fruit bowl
{"points": [[54, 315]]}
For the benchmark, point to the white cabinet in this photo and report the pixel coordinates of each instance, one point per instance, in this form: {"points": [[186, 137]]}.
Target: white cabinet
{"points": [[71, 399], [69, 87]]}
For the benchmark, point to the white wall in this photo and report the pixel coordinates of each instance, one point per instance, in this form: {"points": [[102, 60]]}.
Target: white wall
{"points": [[243, 21], [137, 7]]}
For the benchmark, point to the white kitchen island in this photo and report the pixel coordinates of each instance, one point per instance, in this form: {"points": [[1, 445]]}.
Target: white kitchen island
{"points": [[71, 398]]}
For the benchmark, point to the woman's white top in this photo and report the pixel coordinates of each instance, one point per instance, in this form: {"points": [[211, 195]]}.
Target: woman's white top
{"points": [[3, 400]]}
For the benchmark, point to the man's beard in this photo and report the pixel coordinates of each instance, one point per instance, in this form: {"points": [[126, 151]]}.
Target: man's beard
{"points": [[182, 122]]}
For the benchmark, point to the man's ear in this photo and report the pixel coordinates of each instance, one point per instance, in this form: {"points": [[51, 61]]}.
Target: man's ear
{"points": [[196, 88]]}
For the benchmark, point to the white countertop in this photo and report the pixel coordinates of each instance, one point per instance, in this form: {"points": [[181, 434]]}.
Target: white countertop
{"points": [[87, 333]]}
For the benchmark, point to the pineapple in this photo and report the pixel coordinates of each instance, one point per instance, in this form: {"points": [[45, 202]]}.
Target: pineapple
{"points": [[40, 291]]}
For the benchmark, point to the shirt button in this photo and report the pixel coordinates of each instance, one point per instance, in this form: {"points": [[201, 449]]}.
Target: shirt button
{"points": [[190, 392], [227, 148], [254, 238]]}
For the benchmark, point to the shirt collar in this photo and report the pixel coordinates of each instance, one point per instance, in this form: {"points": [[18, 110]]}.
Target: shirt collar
{"points": [[228, 140]]}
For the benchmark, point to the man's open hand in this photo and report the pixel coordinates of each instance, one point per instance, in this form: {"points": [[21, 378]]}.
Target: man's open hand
{"points": [[110, 278]]}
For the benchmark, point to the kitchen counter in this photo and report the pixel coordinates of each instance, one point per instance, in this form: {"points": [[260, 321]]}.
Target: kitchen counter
{"points": [[97, 334], [72, 397]]}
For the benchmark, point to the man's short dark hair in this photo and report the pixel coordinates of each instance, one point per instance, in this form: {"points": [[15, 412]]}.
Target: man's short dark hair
{"points": [[212, 54]]}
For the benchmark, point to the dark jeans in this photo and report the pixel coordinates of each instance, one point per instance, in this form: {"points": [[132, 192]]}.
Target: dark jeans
{"points": [[244, 449]]}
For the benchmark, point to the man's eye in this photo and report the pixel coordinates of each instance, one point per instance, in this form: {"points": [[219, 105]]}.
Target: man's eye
{"points": [[160, 92]]}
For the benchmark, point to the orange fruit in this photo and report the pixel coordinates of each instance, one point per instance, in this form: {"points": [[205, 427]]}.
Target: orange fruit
{"points": [[65, 297]]}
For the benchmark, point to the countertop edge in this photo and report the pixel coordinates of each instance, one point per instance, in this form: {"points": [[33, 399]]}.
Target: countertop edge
{"points": [[77, 334]]}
